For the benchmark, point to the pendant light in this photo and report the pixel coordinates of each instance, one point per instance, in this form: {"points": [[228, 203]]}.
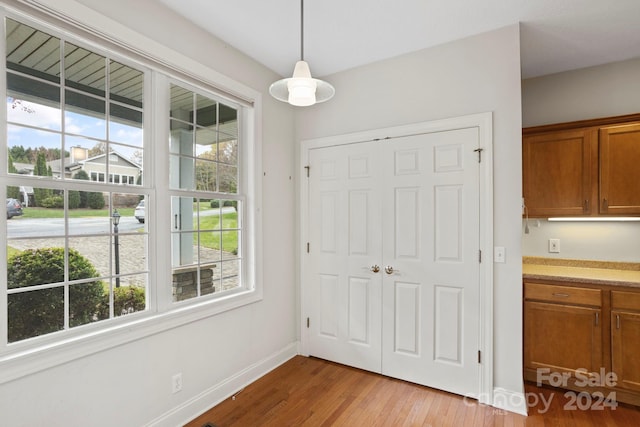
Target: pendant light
{"points": [[302, 90]]}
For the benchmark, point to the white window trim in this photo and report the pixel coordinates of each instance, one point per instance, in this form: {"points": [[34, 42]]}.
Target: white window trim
{"points": [[24, 358]]}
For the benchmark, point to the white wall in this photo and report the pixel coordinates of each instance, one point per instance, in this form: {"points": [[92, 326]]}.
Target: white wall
{"points": [[473, 75], [602, 91], [130, 385], [610, 241]]}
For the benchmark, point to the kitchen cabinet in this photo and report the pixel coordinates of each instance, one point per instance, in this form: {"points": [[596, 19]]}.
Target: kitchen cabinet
{"points": [[625, 338], [558, 179], [620, 170], [586, 168], [579, 331], [563, 328]]}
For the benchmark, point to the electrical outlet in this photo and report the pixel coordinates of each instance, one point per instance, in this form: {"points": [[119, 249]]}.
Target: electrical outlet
{"points": [[554, 246], [176, 383]]}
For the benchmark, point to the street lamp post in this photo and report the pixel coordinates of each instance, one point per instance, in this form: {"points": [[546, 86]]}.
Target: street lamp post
{"points": [[115, 217]]}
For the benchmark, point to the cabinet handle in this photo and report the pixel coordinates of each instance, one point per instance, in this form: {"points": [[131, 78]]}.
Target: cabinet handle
{"points": [[617, 321], [605, 204], [597, 318], [558, 294], [586, 205]]}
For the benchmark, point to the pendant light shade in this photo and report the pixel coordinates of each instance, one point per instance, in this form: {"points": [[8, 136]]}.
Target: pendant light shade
{"points": [[302, 90]]}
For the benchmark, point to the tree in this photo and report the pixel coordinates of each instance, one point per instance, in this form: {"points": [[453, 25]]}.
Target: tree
{"points": [[84, 195], [95, 200], [220, 172], [74, 199], [99, 148], [41, 169]]}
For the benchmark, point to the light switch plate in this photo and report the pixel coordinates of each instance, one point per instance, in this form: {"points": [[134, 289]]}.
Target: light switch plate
{"points": [[499, 254], [554, 246]]}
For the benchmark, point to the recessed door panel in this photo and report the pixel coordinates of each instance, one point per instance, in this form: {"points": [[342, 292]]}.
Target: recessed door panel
{"points": [[329, 298], [407, 318], [448, 325], [358, 314], [328, 221], [448, 223], [358, 222], [407, 222]]}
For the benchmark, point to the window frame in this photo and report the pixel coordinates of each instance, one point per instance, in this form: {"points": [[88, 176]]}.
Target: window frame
{"points": [[239, 196], [26, 357]]}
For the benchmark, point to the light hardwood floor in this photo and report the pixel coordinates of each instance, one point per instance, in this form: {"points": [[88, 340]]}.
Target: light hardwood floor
{"points": [[313, 392]]}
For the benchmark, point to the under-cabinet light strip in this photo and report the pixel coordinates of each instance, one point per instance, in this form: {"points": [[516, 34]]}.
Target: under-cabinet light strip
{"points": [[597, 218]]}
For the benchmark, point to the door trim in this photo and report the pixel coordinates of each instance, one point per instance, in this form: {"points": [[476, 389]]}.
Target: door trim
{"points": [[484, 123]]}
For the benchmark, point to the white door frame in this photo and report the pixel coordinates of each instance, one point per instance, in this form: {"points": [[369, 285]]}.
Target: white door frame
{"points": [[484, 123]]}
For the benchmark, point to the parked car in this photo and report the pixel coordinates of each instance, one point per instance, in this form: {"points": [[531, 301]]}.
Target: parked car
{"points": [[139, 211], [14, 208]]}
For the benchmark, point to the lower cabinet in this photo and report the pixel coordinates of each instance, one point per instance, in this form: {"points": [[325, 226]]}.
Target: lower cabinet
{"points": [[625, 339], [562, 338], [583, 338]]}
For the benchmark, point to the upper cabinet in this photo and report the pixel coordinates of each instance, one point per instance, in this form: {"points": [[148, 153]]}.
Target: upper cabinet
{"points": [[620, 170], [585, 168]]}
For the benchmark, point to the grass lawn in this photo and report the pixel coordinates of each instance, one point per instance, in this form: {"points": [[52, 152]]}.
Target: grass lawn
{"points": [[212, 239], [221, 236], [34, 212]]}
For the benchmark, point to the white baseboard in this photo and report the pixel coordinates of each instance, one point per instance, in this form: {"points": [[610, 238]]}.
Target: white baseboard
{"points": [[510, 401], [201, 403]]}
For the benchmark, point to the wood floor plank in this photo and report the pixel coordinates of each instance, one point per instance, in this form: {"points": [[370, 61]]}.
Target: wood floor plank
{"points": [[311, 392]]}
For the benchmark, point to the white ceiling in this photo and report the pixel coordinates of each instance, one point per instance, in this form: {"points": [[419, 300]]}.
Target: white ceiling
{"points": [[556, 35]]}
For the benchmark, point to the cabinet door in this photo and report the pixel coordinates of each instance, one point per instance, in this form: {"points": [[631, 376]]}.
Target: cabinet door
{"points": [[558, 173], [620, 170], [563, 338], [625, 343]]}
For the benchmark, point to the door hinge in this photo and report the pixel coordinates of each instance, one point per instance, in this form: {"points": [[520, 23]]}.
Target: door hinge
{"points": [[308, 167], [479, 355], [480, 256], [308, 247], [479, 151], [307, 322]]}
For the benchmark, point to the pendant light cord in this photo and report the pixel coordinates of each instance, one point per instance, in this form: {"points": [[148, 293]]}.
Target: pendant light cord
{"points": [[301, 30]]}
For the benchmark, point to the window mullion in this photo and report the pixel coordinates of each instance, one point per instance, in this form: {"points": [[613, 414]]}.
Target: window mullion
{"points": [[160, 215]]}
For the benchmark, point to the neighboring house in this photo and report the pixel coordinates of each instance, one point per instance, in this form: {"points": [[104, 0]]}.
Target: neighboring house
{"points": [[121, 170]]}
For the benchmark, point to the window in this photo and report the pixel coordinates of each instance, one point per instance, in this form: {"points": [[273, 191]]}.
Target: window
{"points": [[76, 255], [86, 254], [206, 206]]}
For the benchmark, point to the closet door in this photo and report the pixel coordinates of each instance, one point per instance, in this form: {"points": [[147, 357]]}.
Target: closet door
{"points": [[345, 246], [393, 264], [430, 288]]}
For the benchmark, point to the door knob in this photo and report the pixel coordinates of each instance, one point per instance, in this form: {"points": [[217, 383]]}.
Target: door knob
{"points": [[388, 269], [375, 268]]}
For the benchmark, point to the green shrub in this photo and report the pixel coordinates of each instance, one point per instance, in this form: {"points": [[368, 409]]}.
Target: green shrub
{"points": [[233, 203], [74, 199], [126, 299], [40, 312], [84, 196], [52, 202], [215, 204], [95, 200]]}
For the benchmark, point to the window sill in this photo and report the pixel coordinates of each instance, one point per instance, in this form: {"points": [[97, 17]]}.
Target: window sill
{"points": [[23, 362]]}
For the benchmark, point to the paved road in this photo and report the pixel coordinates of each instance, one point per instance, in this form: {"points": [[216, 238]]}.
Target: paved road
{"points": [[93, 242]]}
